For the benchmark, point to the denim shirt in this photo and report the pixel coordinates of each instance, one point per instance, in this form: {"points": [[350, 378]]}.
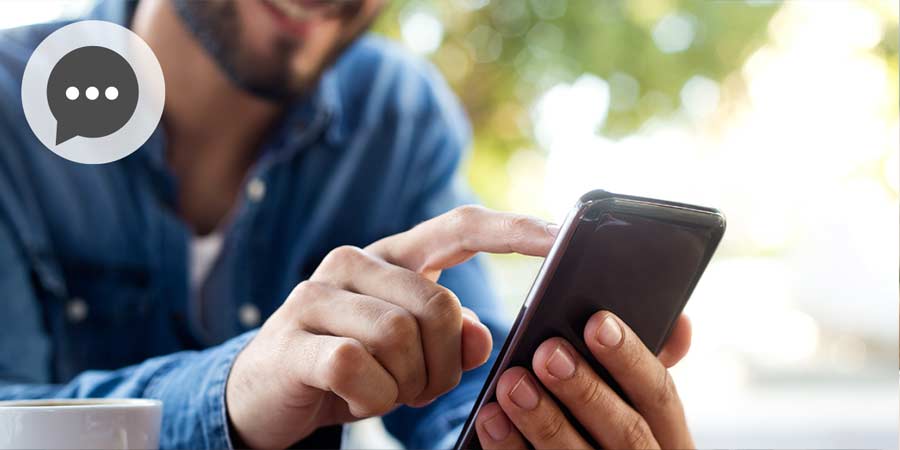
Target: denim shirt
{"points": [[94, 292]]}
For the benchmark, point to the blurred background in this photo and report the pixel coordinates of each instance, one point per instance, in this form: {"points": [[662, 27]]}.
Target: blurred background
{"points": [[784, 115]]}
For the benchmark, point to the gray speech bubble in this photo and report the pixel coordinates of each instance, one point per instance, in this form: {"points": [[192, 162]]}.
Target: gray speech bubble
{"points": [[92, 92]]}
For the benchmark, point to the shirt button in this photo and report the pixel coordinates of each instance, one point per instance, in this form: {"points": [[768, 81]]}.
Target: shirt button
{"points": [[256, 190], [248, 315], [76, 310]]}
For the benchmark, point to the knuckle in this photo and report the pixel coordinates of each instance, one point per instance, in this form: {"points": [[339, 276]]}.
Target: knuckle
{"points": [[665, 392], [461, 218], [342, 256], [466, 213], [550, 430], [631, 357], [517, 230], [593, 394], [516, 224], [345, 362], [637, 433], [397, 329], [443, 305], [306, 290]]}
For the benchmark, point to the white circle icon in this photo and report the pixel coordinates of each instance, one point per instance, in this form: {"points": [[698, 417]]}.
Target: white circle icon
{"points": [[93, 92]]}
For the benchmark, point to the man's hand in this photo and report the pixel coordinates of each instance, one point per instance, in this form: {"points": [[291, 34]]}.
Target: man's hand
{"points": [[525, 412], [371, 329]]}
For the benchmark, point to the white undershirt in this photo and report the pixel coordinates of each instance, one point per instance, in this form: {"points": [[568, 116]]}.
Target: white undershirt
{"points": [[204, 252]]}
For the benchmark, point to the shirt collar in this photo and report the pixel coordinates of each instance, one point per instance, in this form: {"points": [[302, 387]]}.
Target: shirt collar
{"points": [[317, 114]]}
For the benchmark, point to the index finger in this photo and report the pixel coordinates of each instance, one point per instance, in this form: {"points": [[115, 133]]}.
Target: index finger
{"points": [[454, 237]]}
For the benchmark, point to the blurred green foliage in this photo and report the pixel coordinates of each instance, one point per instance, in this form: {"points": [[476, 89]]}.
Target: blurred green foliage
{"points": [[501, 55]]}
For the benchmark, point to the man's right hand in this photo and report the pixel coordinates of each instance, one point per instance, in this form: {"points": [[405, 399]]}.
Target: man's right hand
{"points": [[371, 329]]}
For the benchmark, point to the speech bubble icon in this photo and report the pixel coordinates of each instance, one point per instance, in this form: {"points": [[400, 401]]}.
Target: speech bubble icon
{"points": [[92, 92]]}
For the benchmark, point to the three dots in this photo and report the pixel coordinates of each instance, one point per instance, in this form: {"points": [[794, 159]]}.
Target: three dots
{"points": [[92, 93]]}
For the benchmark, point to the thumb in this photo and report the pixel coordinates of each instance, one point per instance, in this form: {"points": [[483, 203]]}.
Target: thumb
{"points": [[476, 341]]}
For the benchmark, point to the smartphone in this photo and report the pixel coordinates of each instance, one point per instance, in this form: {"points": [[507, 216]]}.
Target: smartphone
{"points": [[639, 258]]}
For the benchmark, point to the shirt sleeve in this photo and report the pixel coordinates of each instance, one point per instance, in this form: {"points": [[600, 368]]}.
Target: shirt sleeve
{"points": [[444, 135], [191, 385]]}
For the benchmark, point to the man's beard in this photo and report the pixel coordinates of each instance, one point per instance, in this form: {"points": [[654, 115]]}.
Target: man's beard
{"points": [[216, 26]]}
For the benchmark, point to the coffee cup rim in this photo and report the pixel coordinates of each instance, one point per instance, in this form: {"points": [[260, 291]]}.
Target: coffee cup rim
{"points": [[79, 403]]}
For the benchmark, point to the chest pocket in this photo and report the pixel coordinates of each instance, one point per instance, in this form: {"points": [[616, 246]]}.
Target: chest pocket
{"points": [[105, 321]]}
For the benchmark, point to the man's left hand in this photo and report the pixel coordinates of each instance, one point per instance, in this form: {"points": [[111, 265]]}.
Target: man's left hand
{"points": [[525, 412]]}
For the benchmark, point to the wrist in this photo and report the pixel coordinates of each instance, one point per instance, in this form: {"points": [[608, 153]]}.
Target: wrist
{"points": [[259, 411], [230, 397]]}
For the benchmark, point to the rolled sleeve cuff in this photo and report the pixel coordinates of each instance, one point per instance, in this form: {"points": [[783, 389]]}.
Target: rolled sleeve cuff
{"points": [[218, 411], [193, 394]]}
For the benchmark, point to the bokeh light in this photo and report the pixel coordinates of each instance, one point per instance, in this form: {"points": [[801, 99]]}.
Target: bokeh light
{"points": [[422, 32]]}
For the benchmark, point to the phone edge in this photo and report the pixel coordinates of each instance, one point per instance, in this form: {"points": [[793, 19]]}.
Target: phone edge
{"points": [[526, 312]]}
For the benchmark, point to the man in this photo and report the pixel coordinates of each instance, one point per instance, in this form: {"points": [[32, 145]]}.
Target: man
{"points": [[286, 182]]}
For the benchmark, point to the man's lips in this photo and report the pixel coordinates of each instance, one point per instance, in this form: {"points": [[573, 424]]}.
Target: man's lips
{"points": [[305, 9], [290, 16], [297, 16]]}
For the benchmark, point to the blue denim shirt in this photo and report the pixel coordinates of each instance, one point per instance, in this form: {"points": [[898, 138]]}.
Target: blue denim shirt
{"points": [[94, 259]]}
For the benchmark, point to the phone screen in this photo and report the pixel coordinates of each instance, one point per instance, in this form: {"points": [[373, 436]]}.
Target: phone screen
{"points": [[639, 260]]}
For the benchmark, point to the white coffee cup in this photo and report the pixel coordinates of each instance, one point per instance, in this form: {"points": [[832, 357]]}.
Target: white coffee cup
{"points": [[80, 424]]}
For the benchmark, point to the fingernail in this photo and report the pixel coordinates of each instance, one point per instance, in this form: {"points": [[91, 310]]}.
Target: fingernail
{"points": [[553, 229], [609, 334], [497, 427], [524, 394], [561, 364]]}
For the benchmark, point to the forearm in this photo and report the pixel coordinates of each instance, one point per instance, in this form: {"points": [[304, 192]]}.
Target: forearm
{"points": [[191, 386]]}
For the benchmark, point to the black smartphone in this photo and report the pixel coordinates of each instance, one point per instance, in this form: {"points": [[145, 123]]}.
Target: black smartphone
{"points": [[639, 258]]}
